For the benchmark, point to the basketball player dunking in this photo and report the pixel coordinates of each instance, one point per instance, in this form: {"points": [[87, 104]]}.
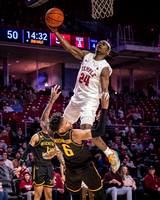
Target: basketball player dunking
{"points": [[92, 81]]}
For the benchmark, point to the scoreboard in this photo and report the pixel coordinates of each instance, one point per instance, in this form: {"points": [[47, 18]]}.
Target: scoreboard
{"points": [[45, 38]]}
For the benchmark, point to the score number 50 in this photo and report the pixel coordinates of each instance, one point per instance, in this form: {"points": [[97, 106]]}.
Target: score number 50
{"points": [[12, 34]]}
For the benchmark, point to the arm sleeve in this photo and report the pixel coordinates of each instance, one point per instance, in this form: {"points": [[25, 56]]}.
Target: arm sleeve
{"points": [[24, 156], [100, 130]]}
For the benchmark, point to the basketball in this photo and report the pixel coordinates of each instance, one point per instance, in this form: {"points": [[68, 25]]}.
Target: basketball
{"points": [[54, 17]]}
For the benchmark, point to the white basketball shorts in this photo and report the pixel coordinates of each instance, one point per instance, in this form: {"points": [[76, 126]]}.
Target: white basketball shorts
{"points": [[83, 108]]}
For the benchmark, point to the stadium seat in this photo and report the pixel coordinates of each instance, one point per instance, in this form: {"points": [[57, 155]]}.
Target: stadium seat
{"points": [[7, 185]]}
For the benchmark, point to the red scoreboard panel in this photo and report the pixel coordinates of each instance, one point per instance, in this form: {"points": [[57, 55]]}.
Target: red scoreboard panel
{"points": [[55, 41], [77, 41], [80, 42]]}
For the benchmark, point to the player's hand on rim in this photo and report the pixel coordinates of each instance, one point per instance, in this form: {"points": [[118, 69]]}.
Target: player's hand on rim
{"points": [[54, 93], [104, 101]]}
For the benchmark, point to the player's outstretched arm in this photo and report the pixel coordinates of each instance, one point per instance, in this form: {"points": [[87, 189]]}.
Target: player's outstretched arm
{"points": [[60, 156], [45, 115], [33, 141], [76, 52], [78, 135], [105, 81]]}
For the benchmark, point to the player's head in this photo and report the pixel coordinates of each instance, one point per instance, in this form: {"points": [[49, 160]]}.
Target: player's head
{"points": [[58, 123], [103, 47]]}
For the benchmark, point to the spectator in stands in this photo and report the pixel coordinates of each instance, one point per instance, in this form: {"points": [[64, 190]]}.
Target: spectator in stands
{"points": [[130, 162], [14, 87], [115, 133], [15, 162], [10, 154], [22, 100], [33, 113], [9, 130], [120, 112], [152, 183], [7, 162], [19, 139], [30, 162], [139, 129], [24, 145], [127, 138], [3, 146], [140, 170], [153, 121], [8, 109], [157, 121], [128, 181], [35, 126], [140, 155], [12, 124], [134, 137], [128, 98], [145, 135], [16, 106], [155, 142], [25, 94], [112, 115], [151, 152], [31, 95], [5, 172], [58, 186], [3, 193], [5, 98], [12, 99], [129, 115], [26, 186], [133, 150], [21, 151], [100, 164], [139, 145], [4, 136], [20, 173], [137, 116], [129, 128], [114, 185], [108, 121]]}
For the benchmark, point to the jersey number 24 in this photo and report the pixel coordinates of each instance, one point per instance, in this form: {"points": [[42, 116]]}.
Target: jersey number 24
{"points": [[84, 78]]}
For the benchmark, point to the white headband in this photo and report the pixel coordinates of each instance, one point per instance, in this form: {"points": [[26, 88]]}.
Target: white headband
{"points": [[109, 46]]}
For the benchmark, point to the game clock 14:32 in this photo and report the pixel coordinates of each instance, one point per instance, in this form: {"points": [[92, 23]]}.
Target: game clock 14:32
{"points": [[36, 37]]}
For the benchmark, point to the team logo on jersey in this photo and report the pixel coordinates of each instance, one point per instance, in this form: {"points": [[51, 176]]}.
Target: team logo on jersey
{"points": [[86, 60]]}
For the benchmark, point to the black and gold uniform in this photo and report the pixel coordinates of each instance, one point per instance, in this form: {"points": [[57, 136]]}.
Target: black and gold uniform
{"points": [[43, 170], [79, 165]]}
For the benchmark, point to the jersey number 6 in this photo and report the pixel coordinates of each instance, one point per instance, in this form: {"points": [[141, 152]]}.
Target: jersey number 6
{"points": [[67, 149]]}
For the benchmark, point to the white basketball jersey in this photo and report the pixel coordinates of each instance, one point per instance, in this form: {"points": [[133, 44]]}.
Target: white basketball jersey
{"points": [[88, 83]]}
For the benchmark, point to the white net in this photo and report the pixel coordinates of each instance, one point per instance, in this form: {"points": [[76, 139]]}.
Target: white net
{"points": [[102, 8]]}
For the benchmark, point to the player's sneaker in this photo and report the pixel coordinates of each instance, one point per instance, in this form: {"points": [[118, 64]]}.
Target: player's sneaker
{"points": [[114, 160], [50, 154]]}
